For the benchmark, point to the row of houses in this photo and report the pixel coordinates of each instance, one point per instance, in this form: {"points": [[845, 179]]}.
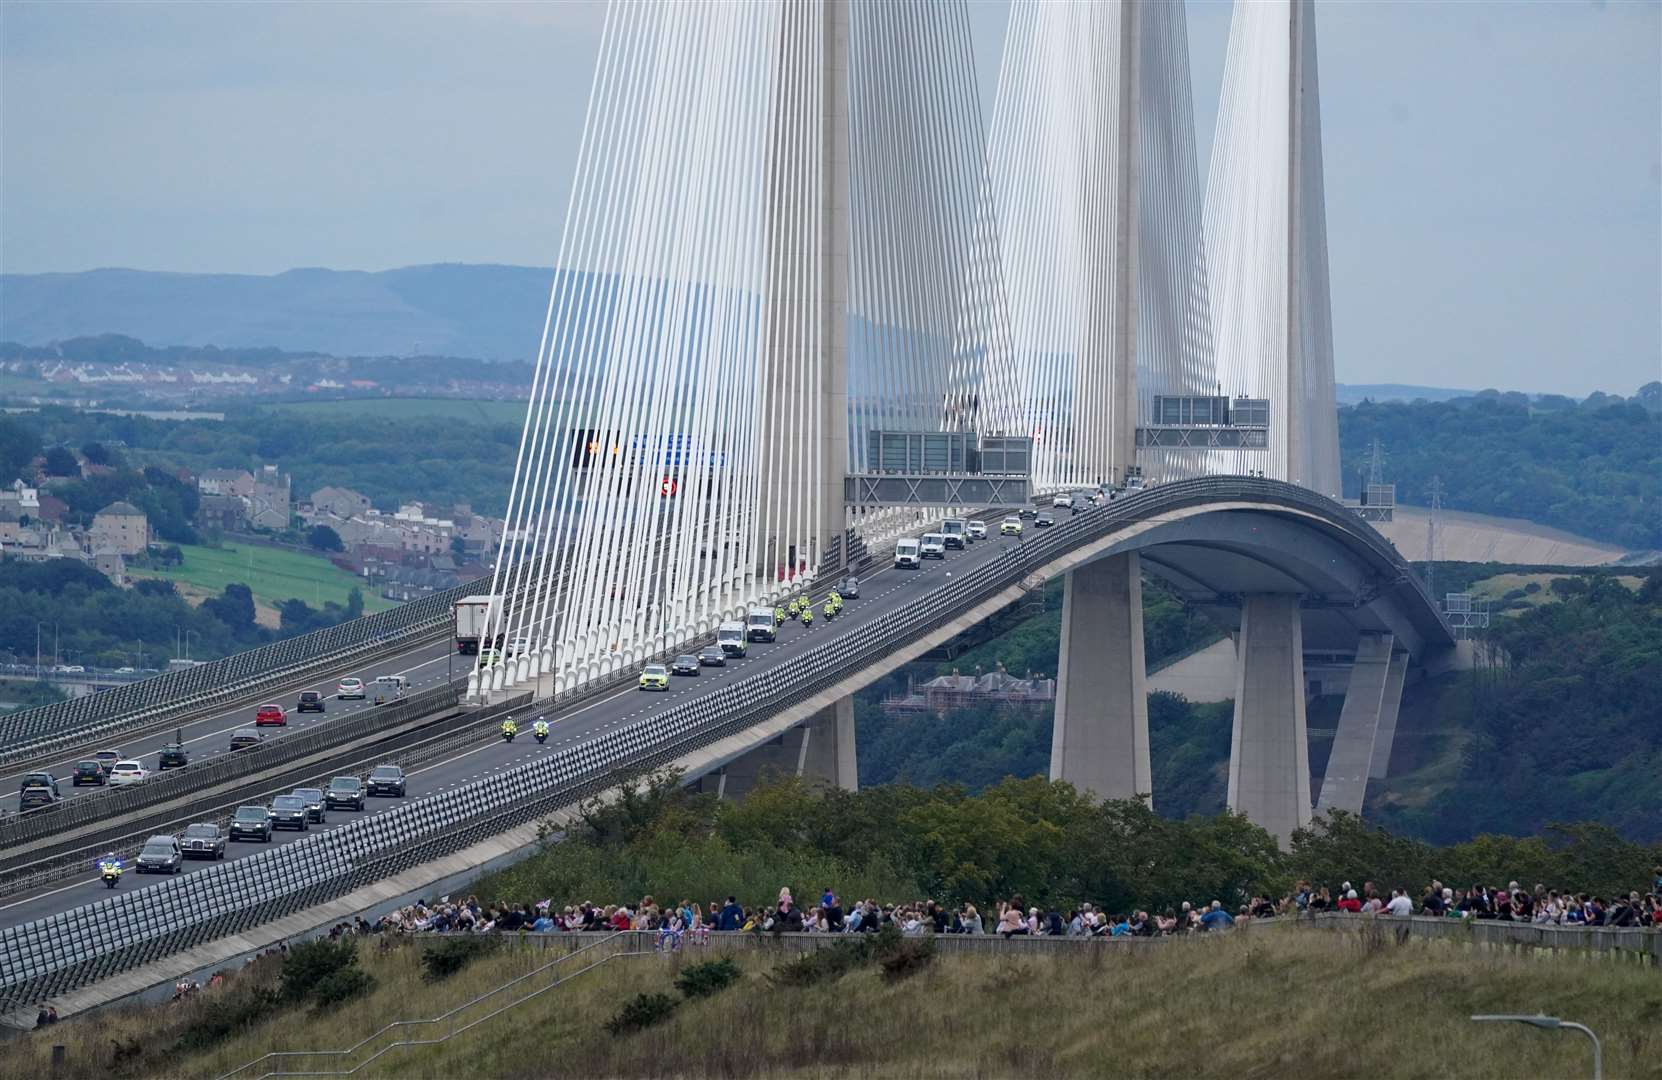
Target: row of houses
{"points": [[955, 691]]}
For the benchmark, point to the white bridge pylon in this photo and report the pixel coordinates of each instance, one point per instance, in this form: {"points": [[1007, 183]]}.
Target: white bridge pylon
{"points": [[789, 229]]}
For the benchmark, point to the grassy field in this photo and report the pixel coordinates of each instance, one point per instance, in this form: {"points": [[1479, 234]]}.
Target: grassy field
{"points": [[483, 412], [1306, 1003], [272, 574]]}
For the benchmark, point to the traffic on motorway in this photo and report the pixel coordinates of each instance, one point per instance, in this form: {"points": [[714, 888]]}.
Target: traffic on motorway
{"points": [[296, 709], [890, 588]]}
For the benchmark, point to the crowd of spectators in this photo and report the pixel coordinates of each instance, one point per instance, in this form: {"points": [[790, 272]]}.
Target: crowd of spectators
{"points": [[689, 920]]}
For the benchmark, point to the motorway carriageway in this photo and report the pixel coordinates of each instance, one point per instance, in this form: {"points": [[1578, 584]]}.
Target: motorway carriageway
{"points": [[885, 590], [424, 666]]}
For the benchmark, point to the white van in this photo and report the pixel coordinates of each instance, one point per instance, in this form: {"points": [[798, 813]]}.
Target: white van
{"points": [[388, 688], [759, 624], [933, 546], [906, 554], [730, 636], [955, 533]]}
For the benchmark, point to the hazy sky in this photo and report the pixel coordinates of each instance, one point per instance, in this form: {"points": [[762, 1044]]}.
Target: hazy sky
{"points": [[1494, 170]]}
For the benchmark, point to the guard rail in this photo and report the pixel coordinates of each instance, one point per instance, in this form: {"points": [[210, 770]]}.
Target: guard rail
{"points": [[179, 696], [52, 955], [15, 832]]}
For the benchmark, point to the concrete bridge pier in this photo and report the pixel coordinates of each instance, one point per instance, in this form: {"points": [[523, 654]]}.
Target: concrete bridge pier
{"points": [[1395, 676], [821, 749], [1269, 757], [1351, 761], [1099, 743]]}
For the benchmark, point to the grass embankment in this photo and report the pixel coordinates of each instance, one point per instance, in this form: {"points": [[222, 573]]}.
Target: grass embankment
{"points": [[1306, 1003], [272, 574], [480, 412]]}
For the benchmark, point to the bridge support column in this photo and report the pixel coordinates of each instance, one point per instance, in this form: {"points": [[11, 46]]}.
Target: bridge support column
{"points": [[1391, 704], [1348, 766], [1100, 740], [820, 750], [1269, 756]]}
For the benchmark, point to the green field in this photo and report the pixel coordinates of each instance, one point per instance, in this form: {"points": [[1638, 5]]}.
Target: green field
{"points": [[482, 412], [272, 574]]}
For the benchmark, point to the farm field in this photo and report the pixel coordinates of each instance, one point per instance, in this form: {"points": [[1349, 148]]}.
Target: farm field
{"points": [[273, 575]]}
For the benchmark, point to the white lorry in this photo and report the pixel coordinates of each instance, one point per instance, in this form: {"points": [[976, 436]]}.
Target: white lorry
{"points": [[730, 636], [473, 613], [906, 553], [760, 625], [956, 532]]}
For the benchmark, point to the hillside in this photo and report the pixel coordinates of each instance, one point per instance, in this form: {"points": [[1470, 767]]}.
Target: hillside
{"points": [[1194, 1007], [486, 312]]}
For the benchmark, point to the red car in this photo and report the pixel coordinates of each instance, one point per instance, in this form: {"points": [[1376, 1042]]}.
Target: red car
{"points": [[271, 716]]}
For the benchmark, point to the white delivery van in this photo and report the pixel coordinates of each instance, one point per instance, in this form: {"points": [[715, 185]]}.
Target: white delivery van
{"points": [[906, 553], [956, 532], [759, 624], [932, 546], [730, 636]]}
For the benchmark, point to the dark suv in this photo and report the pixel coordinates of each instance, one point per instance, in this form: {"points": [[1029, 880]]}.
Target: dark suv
{"points": [[344, 791], [89, 772], [251, 823], [314, 803], [387, 780], [310, 701], [289, 812]]}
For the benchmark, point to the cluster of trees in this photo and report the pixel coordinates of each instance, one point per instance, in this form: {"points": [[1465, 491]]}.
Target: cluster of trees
{"points": [[82, 616], [1593, 469], [1567, 725], [1564, 729], [1040, 839]]}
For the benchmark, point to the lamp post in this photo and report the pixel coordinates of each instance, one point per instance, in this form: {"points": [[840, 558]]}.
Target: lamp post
{"points": [[1551, 1023]]}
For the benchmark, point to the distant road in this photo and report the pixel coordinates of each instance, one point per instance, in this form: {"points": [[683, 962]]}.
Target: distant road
{"points": [[1464, 537]]}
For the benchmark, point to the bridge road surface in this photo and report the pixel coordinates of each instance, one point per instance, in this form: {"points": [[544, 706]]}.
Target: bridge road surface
{"points": [[425, 666], [882, 591]]}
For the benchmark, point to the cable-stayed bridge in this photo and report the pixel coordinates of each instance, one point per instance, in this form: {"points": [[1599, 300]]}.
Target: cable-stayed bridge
{"points": [[811, 301]]}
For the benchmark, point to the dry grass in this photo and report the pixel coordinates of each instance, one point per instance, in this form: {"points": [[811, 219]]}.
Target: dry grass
{"points": [[1306, 1003]]}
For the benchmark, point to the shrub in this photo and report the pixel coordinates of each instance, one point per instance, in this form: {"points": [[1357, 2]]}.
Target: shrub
{"points": [[829, 962], [223, 1017], [642, 1011], [323, 971], [702, 980], [907, 957], [453, 954], [343, 985]]}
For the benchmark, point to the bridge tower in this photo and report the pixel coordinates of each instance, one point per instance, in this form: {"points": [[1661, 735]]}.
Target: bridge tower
{"points": [[1266, 236]]}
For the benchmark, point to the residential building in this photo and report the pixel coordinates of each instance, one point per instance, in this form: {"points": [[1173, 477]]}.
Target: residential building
{"points": [[112, 565], [121, 527], [948, 692], [341, 502], [222, 513], [11, 524], [269, 506], [238, 483]]}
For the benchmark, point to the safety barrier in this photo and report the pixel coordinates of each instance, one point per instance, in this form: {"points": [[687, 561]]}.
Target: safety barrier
{"points": [[188, 694], [176, 783], [70, 949]]}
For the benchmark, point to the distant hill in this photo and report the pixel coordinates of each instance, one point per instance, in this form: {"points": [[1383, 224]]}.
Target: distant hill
{"points": [[487, 312], [1355, 393]]}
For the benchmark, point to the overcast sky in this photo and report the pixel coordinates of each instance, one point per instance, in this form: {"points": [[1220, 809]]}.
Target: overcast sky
{"points": [[1494, 170]]}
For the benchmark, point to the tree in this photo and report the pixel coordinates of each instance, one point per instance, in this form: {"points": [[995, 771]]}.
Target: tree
{"points": [[19, 444], [60, 462], [323, 538], [355, 603], [234, 607], [458, 548], [98, 454]]}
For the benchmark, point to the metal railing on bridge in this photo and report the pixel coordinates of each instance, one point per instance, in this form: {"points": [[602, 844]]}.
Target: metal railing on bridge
{"points": [[50, 956]]}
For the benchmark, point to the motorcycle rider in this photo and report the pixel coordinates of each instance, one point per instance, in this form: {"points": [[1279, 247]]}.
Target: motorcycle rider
{"points": [[509, 728], [540, 729], [110, 866], [807, 615]]}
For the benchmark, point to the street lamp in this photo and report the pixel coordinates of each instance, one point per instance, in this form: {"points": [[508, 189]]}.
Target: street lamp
{"points": [[1552, 1023]]}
